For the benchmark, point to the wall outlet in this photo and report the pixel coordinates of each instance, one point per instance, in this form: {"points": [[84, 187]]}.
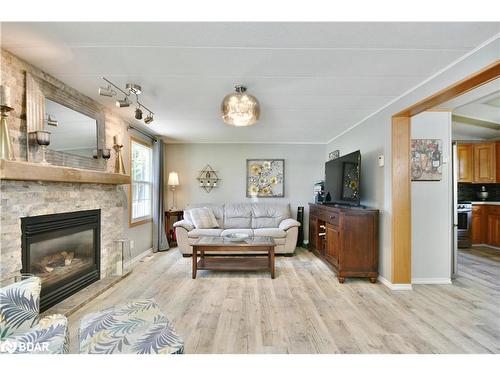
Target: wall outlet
{"points": [[380, 161], [131, 244]]}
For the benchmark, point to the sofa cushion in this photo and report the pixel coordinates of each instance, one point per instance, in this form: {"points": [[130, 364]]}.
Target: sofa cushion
{"points": [[225, 232], [19, 306], [196, 233], [238, 215], [203, 218], [269, 215], [218, 211], [269, 232]]}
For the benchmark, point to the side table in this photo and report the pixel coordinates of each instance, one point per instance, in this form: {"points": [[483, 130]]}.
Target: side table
{"points": [[171, 216]]}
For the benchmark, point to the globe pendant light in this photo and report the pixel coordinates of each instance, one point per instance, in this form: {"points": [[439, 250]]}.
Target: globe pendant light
{"points": [[240, 108]]}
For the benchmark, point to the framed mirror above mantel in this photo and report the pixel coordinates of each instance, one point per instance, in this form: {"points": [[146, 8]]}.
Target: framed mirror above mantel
{"points": [[76, 124]]}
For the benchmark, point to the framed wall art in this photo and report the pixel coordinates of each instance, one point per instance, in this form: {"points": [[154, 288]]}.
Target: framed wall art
{"points": [[426, 159], [265, 178]]}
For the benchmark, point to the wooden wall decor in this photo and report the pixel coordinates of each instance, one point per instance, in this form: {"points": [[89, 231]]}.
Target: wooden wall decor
{"points": [[208, 178]]}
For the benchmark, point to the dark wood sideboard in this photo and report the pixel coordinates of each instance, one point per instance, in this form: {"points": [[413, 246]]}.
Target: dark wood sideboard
{"points": [[346, 238]]}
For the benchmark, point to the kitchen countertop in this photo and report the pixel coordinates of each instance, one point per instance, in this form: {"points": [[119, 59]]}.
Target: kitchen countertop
{"points": [[486, 203]]}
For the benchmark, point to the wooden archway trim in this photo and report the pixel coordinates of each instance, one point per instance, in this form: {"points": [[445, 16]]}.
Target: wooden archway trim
{"points": [[401, 178]]}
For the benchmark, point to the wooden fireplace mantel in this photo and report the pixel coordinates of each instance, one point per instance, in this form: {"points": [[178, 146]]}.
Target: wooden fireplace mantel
{"points": [[24, 171]]}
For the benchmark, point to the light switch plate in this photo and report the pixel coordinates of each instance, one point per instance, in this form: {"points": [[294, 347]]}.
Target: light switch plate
{"points": [[381, 161]]}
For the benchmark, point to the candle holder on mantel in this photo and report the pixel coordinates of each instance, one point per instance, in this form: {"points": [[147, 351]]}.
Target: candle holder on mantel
{"points": [[43, 139], [119, 167], [6, 150]]}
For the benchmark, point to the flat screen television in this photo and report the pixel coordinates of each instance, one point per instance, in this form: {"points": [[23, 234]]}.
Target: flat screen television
{"points": [[342, 178]]}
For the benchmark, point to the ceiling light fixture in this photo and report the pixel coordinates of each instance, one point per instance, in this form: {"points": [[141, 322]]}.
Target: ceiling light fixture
{"points": [[240, 108], [52, 121], [149, 118], [138, 113], [123, 103], [130, 88], [107, 91]]}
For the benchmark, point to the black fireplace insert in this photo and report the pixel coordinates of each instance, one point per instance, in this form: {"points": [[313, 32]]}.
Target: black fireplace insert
{"points": [[63, 250]]}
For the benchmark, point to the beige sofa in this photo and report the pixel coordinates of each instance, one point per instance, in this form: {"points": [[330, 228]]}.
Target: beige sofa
{"points": [[257, 219]]}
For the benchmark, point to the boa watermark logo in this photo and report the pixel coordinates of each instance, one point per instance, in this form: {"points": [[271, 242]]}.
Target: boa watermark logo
{"points": [[23, 347]]}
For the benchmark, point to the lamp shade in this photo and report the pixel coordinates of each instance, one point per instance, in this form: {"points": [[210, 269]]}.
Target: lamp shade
{"points": [[240, 108], [173, 179]]}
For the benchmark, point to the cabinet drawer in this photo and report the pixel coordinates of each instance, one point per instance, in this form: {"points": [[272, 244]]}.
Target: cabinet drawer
{"points": [[332, 218], [493, 209]]}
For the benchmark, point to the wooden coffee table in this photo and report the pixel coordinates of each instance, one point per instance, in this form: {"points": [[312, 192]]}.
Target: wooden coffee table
{"points": [[250, 262]]}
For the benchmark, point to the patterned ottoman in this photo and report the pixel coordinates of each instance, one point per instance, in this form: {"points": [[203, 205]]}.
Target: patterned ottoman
{"points": [[139, 327]]}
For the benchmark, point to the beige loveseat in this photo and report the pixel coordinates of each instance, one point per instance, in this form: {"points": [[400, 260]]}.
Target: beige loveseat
{"points": [[256, 219]]}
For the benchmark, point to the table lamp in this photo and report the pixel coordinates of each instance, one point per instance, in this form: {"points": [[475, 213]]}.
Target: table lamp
{"points": [[173, 182]]}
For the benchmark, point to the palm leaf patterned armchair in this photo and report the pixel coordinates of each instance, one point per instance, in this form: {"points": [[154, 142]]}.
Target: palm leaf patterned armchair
{"points": [[21, 331]]}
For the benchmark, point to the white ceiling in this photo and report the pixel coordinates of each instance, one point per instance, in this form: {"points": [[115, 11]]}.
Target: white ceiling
{"points": [[313, 80], [476, 104]]}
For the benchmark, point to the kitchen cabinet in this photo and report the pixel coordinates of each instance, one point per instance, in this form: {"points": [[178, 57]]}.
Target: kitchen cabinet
{"points": [[484, 162], [478, 162], [478, 224], [486, 225], [464, 154], [497, 151], [493, 226]]}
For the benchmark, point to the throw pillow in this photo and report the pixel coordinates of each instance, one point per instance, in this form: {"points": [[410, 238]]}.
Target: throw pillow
{"points": [[203, 218]]}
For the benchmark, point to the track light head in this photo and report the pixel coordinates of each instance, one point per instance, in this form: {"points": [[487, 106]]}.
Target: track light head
{"points": [[123, 103], [149, 119], [133, 88], [107, 91], [52, 121], [138, 114]]}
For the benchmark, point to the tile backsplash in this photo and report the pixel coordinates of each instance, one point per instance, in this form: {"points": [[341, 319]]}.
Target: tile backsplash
{"points": [[467, 192]]}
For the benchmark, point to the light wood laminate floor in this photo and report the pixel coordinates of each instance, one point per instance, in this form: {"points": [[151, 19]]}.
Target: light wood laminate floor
{"points": [[306, 310]]}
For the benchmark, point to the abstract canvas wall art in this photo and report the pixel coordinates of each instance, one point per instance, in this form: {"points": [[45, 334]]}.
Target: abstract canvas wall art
{"points": [[265, 178]]}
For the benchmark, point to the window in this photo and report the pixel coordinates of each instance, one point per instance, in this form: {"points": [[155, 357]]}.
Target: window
{"points": [[141, 173]]}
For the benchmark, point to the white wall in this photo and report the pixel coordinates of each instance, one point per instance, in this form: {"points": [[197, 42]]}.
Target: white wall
{"points": [[304, 165], [373, 135], [431, 207]]}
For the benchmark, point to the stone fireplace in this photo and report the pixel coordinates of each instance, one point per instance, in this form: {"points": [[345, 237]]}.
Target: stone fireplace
{"points": [[63, 250]]}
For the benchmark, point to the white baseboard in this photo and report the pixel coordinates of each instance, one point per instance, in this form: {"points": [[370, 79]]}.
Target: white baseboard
{"points": [[435, 280], [137, 258], [392, 286]]}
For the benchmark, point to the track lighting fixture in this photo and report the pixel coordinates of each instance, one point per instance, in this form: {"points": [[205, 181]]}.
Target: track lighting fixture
{"points": [[107, 91], [52, 121], [138, 113], [149, 119], [123, 103], [133, 88], [130, 88]]}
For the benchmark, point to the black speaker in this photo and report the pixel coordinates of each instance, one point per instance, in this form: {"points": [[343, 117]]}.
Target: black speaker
{"points": [[300, 219]]}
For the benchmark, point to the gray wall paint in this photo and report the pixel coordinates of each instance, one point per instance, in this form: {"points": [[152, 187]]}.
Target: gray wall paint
{"points": [[375, 188], [431, 206], [373, 136], [304, 165]]}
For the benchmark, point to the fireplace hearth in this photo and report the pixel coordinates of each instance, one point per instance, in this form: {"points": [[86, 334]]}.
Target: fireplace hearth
{"points": [[63, 250]]}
